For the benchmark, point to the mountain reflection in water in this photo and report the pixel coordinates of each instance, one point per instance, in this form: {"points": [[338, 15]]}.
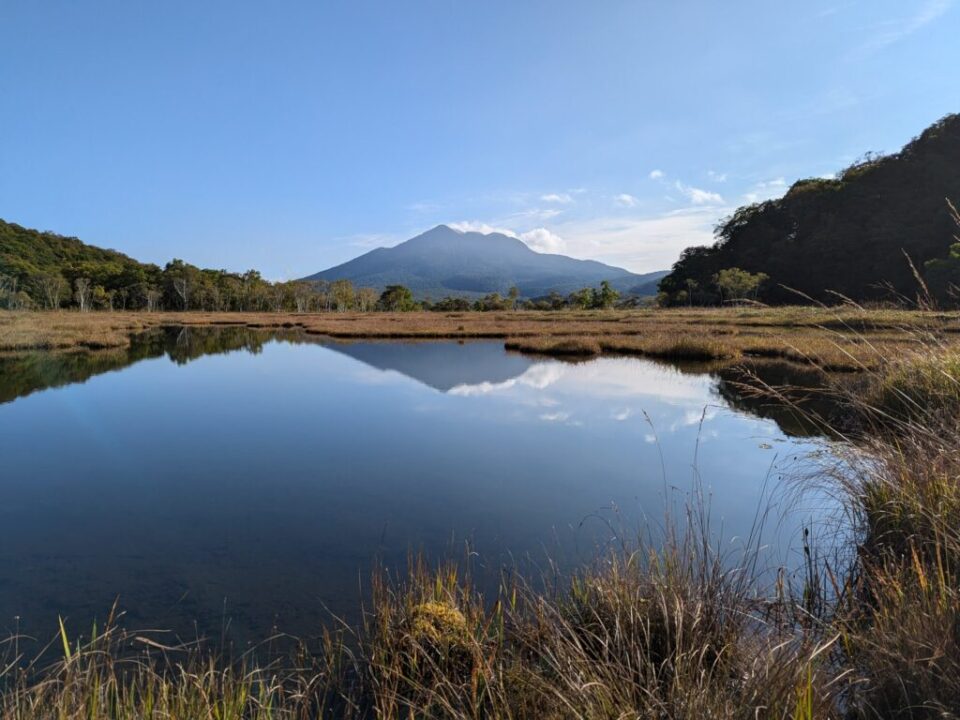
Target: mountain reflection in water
{"points": [[258, 475]]}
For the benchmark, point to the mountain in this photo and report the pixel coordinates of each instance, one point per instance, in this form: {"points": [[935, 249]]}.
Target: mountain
{"points": [[444, 261], [844, 235]]}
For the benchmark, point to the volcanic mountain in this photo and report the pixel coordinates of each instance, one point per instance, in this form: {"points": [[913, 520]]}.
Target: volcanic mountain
{"points": [[444, 261]]}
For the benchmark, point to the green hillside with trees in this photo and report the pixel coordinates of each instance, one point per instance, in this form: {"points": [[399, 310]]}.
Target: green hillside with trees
{"points": [[850, 235], [46, 271]]}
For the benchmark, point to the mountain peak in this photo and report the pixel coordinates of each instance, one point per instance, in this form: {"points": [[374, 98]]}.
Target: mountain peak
{"points": [[446, 261]]}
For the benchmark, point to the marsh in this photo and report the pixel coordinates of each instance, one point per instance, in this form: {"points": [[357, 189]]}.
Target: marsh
{"points": [[238, 480]]}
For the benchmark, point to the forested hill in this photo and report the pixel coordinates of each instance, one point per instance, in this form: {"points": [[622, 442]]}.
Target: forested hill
{"points": [[29, 255], [46, 270], [846, 235]]}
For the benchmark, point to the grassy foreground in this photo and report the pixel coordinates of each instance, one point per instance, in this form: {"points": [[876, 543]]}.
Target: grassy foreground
{"points": [[673, 631], [846, 339]]}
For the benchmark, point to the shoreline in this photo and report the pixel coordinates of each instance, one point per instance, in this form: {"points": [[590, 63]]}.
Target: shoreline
{"points": [[836, 340]]}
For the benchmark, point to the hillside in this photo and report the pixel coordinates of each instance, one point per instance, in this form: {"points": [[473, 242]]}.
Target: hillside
{"points": [[846, 235], [31, 255], [444, 261]]}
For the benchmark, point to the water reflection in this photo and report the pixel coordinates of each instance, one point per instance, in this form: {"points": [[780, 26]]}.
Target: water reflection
{"points": [[440, 365], [459, 368], [259, 485]]}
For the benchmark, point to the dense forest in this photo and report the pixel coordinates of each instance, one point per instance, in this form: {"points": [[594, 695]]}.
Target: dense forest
{"points": [[850, 235], [43, 270]]}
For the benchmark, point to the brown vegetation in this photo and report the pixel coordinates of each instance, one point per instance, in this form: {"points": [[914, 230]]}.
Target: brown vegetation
{"points": [[674, 631], [848, 339]]}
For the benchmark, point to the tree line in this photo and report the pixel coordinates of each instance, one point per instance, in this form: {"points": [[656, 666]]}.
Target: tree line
{"points": [[42, 270]]}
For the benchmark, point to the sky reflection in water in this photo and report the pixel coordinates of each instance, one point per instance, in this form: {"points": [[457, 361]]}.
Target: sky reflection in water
{"points": [[260, 486]]}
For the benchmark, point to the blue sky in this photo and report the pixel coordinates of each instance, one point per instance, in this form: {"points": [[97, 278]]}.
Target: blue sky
{"points": [[290, 136]]}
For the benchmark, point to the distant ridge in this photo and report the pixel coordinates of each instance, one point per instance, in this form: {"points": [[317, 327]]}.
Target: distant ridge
{"points": [[444, 261]]}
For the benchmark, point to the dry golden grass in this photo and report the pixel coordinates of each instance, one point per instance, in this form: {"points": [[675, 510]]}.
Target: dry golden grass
{"points": [[674, 632], [835, 339]]}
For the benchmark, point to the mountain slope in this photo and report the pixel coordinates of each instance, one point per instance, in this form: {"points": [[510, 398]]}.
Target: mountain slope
{"points": [[444, 261], [846, 235]]}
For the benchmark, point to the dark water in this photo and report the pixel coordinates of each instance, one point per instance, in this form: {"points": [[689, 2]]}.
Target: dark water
{"points": [[205, 476]]}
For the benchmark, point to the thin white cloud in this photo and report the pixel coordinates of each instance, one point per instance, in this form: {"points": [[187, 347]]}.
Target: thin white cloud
{"points": [[656, 174], [539, 214], [893, 31], [466, 226], [625, 200], [765, 190], [369, 241], [543, 240], [540, 239], [562, 198], [698, 196], [641, 244], [717, 177], [424, 207]]}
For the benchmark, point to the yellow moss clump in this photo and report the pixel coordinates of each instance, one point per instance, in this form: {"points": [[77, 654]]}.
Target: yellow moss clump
{"points": [[438, 623]]}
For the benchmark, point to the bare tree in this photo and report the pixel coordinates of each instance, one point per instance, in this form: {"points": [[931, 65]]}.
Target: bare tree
{"points": [[277, 297], [182, 287], [8, 291], [152, 298], [302, 294], [82, 293], [366, 299], [52, 286]]}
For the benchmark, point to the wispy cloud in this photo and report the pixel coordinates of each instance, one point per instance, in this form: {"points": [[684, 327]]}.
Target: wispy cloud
{"points": [[540, 239], [535, 214], [765, 190], [656, 174], [625, 200], [562, 198], [698, 196], [641, 244], [424, 207], [466, 226], [369, 241], [892, 31], [543, 240], [717, 177]]}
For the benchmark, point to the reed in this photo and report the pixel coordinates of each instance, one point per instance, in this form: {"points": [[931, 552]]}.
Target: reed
{"points": [[839, 339], [671, 630]]}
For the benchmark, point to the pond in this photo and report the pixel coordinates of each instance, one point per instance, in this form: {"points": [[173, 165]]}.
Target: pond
{"points": [[229, 478]]}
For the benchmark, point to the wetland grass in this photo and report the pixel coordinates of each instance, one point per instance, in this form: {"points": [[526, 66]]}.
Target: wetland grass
{"points": [[673, 631]]}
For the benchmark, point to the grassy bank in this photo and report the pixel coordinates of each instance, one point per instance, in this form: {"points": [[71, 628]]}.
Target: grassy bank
{"points": [[673, 631], [847, 339]]}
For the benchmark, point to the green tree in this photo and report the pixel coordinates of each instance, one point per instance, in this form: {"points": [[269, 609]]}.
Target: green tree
{"points": [[606, 297], [943, 274], [582, 299], [397, 298], [735, 284], [343, 295]]}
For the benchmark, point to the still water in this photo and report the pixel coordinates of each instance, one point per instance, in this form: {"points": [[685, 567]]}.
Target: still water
{"points": [[210, 478]]}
